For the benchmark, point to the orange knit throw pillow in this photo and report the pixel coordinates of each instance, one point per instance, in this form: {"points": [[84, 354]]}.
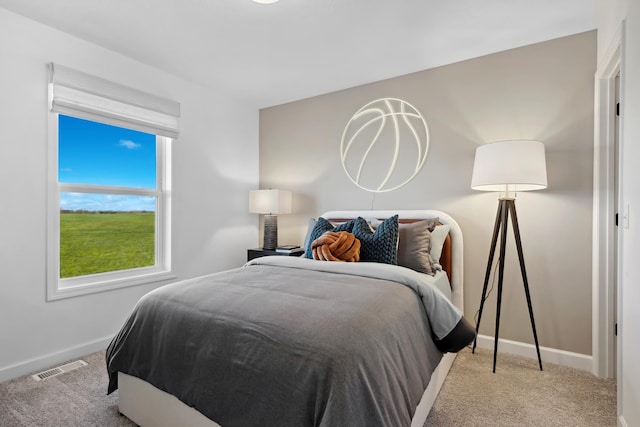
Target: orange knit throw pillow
{"points": [[336, 246]]}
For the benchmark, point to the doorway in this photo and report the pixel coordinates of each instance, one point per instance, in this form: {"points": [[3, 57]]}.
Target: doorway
{"points": [[605, 214], [618, 223]]}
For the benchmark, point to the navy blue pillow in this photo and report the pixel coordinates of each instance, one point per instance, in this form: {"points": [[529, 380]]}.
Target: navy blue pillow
{"points": [[321, 227], [381, 246]]}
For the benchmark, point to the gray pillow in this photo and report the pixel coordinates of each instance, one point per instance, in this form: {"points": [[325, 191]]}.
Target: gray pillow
{"points": [[414, 246]]}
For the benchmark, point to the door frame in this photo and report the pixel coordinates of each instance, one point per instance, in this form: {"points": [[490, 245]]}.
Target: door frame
{"points": [[604, 262]]}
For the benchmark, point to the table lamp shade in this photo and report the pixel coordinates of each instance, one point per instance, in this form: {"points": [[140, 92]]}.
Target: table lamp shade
{"points": [[510, 166], [270, 202]]}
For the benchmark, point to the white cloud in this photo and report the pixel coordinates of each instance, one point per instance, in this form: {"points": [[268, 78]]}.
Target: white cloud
{"points": [[129, 144], [106, 202]]}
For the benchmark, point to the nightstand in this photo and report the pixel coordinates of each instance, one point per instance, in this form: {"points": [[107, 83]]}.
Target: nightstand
{"points": [[259, 252]]}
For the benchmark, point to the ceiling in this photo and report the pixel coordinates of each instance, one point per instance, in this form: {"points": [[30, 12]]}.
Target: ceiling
{"points": [[271, 54]]}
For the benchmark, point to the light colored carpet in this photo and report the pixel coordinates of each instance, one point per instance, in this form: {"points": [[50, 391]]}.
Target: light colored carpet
{"points": [[518, 394], [76, 398]]}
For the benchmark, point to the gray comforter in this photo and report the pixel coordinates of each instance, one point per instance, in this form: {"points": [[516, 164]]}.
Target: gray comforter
{"points": [[292, 342]]}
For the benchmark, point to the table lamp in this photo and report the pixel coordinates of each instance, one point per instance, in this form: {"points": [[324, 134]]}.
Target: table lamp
{"points": [[270, 203]]}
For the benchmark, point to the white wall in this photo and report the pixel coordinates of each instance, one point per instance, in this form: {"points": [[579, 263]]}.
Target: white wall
{"points": [[610, 14], [215, 163]]}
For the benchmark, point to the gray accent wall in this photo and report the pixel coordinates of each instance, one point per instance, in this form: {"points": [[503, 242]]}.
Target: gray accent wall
{"points": [[543, 92]]}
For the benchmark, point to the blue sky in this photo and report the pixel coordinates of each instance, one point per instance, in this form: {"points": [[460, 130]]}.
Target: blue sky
{"points": [[100, 154]]}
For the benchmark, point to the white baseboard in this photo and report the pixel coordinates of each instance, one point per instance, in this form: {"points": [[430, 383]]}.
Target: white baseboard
{"points": [[52, 359], [551, 355]]}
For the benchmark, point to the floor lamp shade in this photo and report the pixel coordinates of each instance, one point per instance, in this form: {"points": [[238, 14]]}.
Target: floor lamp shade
{"points": [[270, 203], [510, 166]]}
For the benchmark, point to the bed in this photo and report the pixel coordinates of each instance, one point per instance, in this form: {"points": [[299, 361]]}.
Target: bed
{"points": [[295, 342]]}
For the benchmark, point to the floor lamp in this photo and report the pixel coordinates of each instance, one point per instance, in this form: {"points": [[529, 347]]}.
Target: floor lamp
{"points": [[508, 167], [270, 203]]}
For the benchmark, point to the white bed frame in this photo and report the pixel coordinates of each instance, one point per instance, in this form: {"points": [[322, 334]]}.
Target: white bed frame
{"points": [[148, 406]]}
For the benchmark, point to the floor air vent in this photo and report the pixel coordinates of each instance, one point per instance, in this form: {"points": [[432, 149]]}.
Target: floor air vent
{"points": [[49, 373]]}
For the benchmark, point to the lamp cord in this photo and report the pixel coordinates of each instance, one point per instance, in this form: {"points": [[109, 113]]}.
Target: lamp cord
{"points": [[493, 281]]}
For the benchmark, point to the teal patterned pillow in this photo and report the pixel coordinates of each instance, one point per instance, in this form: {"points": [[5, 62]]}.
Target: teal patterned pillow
{"points": [[379, 246], [322, 226]]}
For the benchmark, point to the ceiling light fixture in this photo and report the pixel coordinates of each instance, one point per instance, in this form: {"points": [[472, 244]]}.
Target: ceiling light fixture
{"points": [[265, 1]]}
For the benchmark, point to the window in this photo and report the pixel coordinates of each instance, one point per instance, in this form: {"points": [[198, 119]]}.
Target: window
{"points": [[107, 194], [109, 185]]}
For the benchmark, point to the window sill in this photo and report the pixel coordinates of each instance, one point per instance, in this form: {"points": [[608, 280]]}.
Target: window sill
{"points": [[85, 285]]}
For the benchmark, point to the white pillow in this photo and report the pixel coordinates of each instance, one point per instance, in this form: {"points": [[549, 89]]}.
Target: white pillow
{"points": [[312, 223], [438, 236]]}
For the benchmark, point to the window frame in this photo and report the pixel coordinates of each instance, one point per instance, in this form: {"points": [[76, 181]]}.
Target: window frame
{"points": [[60, 288]]}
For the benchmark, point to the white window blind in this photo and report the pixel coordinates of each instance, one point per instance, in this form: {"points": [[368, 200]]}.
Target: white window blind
{"points": [[82, 95]]}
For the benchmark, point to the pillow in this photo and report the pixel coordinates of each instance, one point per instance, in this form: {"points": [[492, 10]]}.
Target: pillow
{"points": [[307, 237], [336, 246], [379, 246], [438, 236], [321, 226], [415, 245]]}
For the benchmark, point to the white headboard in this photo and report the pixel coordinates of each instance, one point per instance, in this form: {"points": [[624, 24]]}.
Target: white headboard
{"points": [[457, 266]]}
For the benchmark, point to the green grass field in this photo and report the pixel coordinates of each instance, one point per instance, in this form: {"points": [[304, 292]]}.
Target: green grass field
{"points": [[96, 243]]}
